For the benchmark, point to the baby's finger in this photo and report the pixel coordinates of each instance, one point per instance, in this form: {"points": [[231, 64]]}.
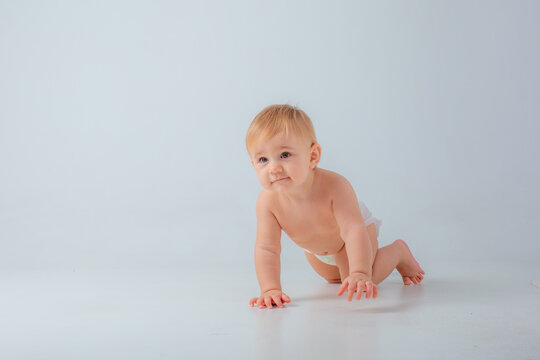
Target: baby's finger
{"points": [[260, 302], [342, 288], [253, 301], [359, 290], [369, 289], [277, 300], [350, 291], [285, 298], [268, 301], [375, 291]]}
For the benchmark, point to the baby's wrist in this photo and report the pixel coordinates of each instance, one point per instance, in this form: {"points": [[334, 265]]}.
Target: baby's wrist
{"points": [[267, 290], [359, 273]]}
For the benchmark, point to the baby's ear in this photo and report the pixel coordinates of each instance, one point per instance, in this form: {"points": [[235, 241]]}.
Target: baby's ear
{"points": [[315, 155]]}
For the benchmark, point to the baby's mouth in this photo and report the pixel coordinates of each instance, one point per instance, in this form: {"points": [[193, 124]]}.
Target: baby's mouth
{"points": [[283, 178]]}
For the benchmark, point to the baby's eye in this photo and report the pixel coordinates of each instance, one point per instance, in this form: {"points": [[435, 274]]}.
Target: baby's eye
{"points": [[285, 155], [262, 160]]}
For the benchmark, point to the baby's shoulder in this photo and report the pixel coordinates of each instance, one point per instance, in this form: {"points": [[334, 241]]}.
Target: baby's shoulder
{"points": [[266, 200], [332, 180], [334, 185]]}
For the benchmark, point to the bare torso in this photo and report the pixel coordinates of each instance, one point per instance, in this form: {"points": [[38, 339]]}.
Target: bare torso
{"points": [[310, 222]]}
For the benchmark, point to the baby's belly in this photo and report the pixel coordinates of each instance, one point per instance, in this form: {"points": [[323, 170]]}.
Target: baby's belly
{"points": [[321, 245]]}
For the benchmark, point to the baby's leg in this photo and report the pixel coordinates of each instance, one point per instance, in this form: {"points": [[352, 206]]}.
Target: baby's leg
{"points": [[329, 272], [396, 256]]}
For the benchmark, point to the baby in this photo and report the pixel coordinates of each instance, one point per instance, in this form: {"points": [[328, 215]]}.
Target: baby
{"points": [[319, 211]]}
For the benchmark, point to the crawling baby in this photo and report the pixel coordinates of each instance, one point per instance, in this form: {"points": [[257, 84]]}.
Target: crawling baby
{"points": [[318, 210]]}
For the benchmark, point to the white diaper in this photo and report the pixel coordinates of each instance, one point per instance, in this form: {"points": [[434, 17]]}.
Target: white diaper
{"points": [[368, 220]]}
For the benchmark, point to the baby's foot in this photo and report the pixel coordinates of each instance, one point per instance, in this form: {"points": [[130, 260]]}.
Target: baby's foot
{"points": [[408, 267]]}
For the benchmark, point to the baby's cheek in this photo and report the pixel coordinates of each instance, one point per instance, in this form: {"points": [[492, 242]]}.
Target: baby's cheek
{"points": [[264, 181]]}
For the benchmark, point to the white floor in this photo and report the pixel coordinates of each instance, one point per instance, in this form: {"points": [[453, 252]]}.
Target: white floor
{"points": [[465, 311]]}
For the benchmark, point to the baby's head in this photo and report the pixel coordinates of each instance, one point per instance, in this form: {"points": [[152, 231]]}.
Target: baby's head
{"points": [[276, 119], [281, 143]]}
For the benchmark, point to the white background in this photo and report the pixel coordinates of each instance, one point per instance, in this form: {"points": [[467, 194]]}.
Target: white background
{"points": [[122, 125], [127, 200]]}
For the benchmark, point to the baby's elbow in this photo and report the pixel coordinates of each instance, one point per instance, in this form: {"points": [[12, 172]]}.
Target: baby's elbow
{"points": [[267, 249]]}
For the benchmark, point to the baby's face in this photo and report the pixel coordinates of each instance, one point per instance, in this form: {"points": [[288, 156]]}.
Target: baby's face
{"points": [[283, 163]]}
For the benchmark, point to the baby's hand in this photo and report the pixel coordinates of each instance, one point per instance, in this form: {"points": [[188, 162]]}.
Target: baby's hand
{"points": [[270, 297], [358, 282]]}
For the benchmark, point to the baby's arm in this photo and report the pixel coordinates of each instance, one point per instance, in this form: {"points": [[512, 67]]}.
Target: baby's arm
{"points": [[267, 257], [358, 245]]}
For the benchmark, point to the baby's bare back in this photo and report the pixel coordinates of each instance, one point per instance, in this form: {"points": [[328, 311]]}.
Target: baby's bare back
{"points": [[310, 222]]}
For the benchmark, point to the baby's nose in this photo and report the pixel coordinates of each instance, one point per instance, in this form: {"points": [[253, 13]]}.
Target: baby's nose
{"points": [[276, 169]]}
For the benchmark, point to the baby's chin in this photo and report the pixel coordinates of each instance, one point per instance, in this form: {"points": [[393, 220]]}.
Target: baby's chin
{"points": [[281, 184], [282, 187]]}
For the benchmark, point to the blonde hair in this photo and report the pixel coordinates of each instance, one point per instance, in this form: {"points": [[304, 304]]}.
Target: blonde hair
{"points": [[275, 119]]}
